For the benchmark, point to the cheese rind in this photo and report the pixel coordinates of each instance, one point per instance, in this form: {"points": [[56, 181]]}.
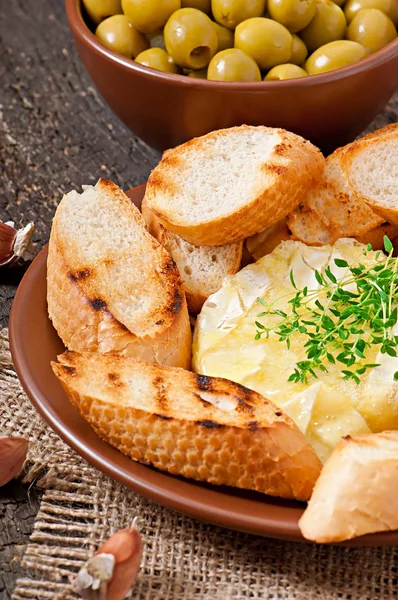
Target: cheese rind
{"points": [[325, 409]]}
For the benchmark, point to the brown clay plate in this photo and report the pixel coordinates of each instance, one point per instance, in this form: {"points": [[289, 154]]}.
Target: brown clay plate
{"points": [[34, 343]]}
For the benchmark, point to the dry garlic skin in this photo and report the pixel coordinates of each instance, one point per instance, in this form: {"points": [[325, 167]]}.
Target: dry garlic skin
{"points": [[326, 408]]}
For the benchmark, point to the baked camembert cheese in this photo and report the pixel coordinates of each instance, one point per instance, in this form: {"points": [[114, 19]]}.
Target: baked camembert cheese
{"points": [[327, 406]]}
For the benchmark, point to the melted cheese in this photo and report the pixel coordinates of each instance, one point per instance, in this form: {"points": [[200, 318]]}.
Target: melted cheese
{"points": [[325, 409]]}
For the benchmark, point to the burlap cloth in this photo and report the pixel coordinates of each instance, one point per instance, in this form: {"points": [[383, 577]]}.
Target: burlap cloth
{"points": [[183, 558]]}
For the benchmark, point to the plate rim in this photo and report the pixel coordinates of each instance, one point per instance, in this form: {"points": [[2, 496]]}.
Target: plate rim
{"points": [[159, 493]]}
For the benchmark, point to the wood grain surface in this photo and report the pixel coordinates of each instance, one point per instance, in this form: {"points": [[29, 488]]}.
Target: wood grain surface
{"points": [[55, 134]]}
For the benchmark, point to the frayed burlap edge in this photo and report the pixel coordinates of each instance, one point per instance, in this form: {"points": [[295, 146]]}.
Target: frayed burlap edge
{"points": [[183, 558]]}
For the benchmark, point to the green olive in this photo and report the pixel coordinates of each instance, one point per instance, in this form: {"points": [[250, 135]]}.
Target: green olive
{"points": [[371, 28], [118, 34], [191, 39], [389, 7], [293, 14], [335, 55], [201, 74], [158, 59], [98, 10], [225, 37], [328, 25], [267, 41], [230, 13], [156, 40], [299, 52], [203, 5], [149, 16], [287, 71], [233, 65]]}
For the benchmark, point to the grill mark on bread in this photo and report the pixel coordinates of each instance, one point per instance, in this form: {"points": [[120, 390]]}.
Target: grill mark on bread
{"points": [[160, 322], [208, 423], [253, 425], [169, 269], [161, 393], [79, 275], [97, 304], [245, 391], [176, 303], [243, 406], [204, 382], [168, 266], [115, 379], [69, 370]]}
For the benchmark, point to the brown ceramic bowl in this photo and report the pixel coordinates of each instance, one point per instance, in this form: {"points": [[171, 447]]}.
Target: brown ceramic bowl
{"points": [[166, 109], [34, 343]]}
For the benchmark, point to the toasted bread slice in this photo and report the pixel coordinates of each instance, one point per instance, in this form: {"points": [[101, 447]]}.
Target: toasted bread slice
{"points": [[232, 183], [370, 167], [332, 210], [338, 206], [111, 287], [266, 241], [202, 268], [356, 493], [200, 427], [308, 226]]}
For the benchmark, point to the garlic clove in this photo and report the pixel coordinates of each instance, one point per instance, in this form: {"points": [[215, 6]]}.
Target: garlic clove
{"points": [[110, 573], [7, 238], [12, 457], [15, 245], [127, 549]]}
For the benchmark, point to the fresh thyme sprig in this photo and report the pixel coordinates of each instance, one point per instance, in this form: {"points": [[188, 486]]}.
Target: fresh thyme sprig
{"points": [[340, 325]]}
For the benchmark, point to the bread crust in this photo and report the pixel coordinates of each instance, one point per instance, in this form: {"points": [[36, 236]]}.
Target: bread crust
{"points": [[295, 167], [198, 291], [356, 491], [388, 213], [85, 322], [173, 420]]}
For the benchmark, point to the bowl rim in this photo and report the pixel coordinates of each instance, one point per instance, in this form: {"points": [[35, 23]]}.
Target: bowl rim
{"points": [[81, 30]]}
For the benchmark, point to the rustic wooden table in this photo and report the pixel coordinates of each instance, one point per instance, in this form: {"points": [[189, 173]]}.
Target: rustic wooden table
{"points": [[55, 134]]}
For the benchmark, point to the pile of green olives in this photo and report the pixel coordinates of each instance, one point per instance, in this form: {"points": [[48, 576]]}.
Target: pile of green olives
{"points": [[244, 40]]}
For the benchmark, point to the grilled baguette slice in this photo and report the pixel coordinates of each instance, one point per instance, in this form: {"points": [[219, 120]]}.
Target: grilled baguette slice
{"points": [[202, 268], [332, 210], [232, 183], [200, 427], [356, 493], [370, 167], [308, 226], [111, 287], [339, 206]]}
